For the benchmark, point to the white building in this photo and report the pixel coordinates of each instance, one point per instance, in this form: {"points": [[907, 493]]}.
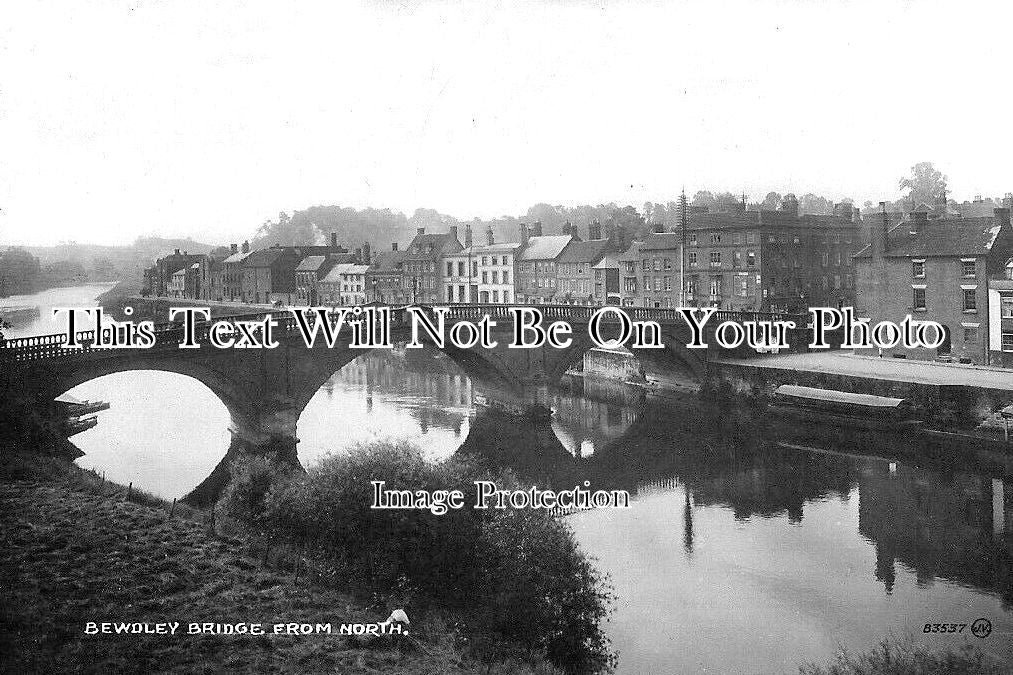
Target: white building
{"points": [[344, 285], [496, 272], [460, 277]]}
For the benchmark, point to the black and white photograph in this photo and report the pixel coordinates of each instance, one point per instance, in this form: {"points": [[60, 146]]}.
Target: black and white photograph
{"points": [[488, 338]]}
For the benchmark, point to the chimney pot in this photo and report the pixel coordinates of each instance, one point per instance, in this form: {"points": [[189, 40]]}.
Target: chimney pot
{"points": [[234, 248], [421, 230], [393, 246]]}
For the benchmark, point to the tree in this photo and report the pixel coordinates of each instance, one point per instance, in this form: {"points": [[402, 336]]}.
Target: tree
{"points": [[771, 202], [19, 271], [926, 183]]}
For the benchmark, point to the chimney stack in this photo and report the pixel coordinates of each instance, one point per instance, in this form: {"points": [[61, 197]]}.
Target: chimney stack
{"points": [[358, 254], [489, 236], [918, 218], [246, 247], [334, 239], [881, 233], [393, 246], [365, 253], [659, 228], [177, 252], [1002, 215], [467, 236], [234, 248], [536, 229], [524, 234], [1007, 201], [453, 232]]}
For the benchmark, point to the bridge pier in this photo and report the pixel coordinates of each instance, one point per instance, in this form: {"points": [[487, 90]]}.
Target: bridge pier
{"points": [[266, 429]]}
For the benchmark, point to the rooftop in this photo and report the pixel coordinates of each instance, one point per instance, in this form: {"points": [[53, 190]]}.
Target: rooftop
{"points": [[584, 251], [945, 237], [546, 247]]}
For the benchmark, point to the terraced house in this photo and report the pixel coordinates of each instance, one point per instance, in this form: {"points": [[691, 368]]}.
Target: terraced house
{"points": [[942, 269], [423, 268], [536, 271], [576, 277]]}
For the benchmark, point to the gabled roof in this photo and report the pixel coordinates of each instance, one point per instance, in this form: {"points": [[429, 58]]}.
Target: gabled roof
{"points": [[440, 243], [344, 268], [236, 258], [546, 247], [584, 251], [266, 257], [945, 237], [386, 262], [311, 263], [633, 252]]}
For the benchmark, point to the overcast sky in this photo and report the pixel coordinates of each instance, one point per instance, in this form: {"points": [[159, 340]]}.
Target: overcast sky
{"points": [[204, 119]]}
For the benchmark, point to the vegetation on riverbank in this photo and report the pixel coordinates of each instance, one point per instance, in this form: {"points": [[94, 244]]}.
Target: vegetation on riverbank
{"points": [[514, 580], [891, 657], [78, 549]]}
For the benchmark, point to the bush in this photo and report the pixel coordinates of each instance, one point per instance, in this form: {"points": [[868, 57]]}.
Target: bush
{"points": [[243, 498], [514, 576], [904, 658]]}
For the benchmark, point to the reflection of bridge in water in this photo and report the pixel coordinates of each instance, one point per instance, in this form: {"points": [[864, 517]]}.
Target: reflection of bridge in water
{"points": [[266, 390]]}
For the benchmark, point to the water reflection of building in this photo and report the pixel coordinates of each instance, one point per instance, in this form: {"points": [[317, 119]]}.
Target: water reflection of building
{"points": [[950, 525], [430, 387]]}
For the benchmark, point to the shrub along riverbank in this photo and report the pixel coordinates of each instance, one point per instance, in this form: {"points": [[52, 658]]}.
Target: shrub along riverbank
{"points": [[512, 582], [78, 549]]}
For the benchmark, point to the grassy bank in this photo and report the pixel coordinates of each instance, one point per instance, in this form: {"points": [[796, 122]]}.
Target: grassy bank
{"points": [[77, 549]]}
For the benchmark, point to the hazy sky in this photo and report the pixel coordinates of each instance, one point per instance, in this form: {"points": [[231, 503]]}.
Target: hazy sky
{"points": [[205, 118]]}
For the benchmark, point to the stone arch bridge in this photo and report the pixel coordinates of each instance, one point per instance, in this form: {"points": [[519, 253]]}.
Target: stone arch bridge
{"points": [[266, 390]]}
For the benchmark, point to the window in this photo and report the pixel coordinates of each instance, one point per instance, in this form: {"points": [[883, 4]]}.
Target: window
{"points": [[495, 276], [1007, 341], [657, 264], [692, 239], [715, 258], [485, 277], [668, 264], [918, 269], [737, 259], [918, 302], [1006, 307], [744, 287], [715, 238], [750, 258], [629, 266], [646, 264], [657, 283], [715, 287], [750, 237], [826, 259], [460, 269], [506, 277], [970, 334], [668, 283], [970, 300], [968, 267], [692, 258]]}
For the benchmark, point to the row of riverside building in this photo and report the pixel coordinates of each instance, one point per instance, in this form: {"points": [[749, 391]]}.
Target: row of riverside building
{"points": [[928, 262]]}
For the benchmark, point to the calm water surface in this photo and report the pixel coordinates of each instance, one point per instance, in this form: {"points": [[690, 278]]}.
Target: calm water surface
{"points": [[747, 548]]}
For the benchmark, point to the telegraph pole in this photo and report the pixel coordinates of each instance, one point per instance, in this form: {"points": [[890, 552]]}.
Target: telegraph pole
{"points": [[682, 248]]}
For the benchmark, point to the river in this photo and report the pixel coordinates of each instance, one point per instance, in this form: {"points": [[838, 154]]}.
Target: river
{"points": [[748, 547]]}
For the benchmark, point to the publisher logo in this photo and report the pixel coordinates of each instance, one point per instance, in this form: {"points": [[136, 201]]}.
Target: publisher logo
{"points": [[981, 628]]}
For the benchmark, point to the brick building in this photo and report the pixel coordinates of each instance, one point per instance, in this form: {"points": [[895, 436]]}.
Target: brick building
{"points": [[385, 281], [423, 268], [535, 272], [939, 270], [575, 268]]}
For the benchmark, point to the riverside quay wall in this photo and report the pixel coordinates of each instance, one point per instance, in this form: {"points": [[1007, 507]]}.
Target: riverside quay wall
{"points": [[961, 406]]}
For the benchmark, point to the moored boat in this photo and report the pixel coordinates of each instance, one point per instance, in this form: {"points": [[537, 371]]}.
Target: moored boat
{"points": [[830, 405]]}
